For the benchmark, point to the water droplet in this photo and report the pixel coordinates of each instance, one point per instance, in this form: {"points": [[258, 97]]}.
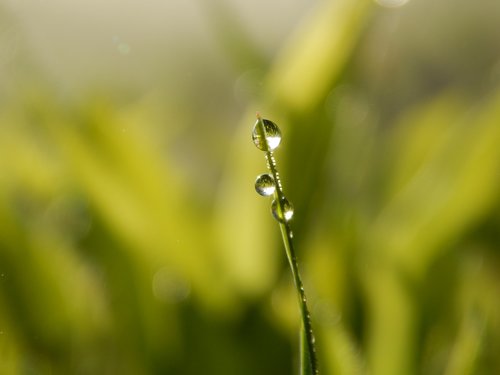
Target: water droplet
{"points": [[266, 135], [264, 185], [283, 211]]}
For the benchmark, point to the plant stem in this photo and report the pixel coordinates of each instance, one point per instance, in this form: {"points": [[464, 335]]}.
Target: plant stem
{"points": [[308, 354], [287, 236]]}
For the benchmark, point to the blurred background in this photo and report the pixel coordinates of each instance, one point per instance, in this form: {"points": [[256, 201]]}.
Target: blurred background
{"points": [[132, 240]]}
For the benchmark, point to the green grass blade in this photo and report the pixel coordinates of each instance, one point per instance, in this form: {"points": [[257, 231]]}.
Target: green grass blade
{"points": [[308, 361], [307, 348], [305, 358]]}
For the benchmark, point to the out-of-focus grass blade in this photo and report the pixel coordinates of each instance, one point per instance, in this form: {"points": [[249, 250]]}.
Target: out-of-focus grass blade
{"points": [[454, 185], [478, 320], [303, 73], [138, 196]]}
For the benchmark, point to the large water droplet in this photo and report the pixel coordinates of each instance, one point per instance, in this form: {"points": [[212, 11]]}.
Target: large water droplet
{"points": [[282, 211], [264, 185], [266, 135]]}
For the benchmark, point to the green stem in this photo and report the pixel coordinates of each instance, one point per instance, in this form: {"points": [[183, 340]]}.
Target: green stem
{"points": [[287, 236], [308, 354]]}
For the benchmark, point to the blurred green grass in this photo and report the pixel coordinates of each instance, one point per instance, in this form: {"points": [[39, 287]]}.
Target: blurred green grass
{"points": [[132, 242]]}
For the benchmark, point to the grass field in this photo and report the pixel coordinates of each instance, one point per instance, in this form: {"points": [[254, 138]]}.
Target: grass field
{"points": [[131, 237]]}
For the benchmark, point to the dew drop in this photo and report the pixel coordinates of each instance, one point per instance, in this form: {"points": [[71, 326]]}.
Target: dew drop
{"points": [[266, 135], [283, 211], [264, 185]]}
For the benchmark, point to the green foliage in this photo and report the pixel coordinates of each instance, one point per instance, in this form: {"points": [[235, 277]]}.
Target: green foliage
{"points": [[131, 240]]}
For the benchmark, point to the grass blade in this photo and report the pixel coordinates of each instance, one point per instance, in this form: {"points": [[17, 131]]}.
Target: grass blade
{"points": [[266, 136]]}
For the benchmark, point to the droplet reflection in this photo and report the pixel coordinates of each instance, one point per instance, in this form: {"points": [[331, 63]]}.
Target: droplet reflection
{"points": [[283, 211], [266, 137], [265, 185]]}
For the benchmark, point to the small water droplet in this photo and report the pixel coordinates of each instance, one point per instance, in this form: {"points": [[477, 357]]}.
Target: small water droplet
{"points": [[283, 212], [264, 185], [266, 135]]}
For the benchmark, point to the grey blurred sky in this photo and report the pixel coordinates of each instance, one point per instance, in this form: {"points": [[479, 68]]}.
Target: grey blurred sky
{"points": [[74, 40]]}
